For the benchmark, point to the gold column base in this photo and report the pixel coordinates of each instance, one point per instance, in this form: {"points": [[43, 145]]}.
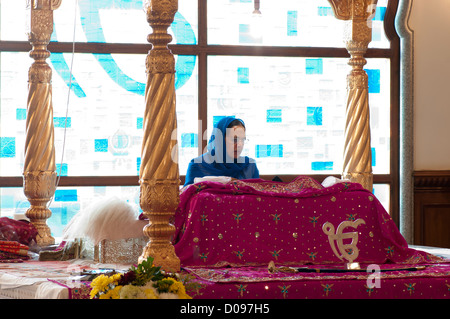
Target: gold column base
{"points": [[163, 255], [39, 187], [159, 200], [365, 179], [38, 217]]}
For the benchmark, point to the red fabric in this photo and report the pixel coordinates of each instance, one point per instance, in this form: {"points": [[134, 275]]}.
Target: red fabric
{"points": [[433, 282], [13, 252], [13, 247], [253, 222], [17, 230]]}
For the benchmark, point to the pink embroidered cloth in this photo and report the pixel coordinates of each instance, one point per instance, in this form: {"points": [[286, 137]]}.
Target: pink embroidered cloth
{"points": [[432, 282], [253, 222]]}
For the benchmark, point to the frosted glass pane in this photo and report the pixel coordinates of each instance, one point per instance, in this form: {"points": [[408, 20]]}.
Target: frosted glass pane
{"points": [[283, 23], [104, 128], [99, 21], [294, 110], [382, 193]]}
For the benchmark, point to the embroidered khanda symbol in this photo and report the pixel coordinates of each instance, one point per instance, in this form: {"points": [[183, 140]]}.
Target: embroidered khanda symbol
{"points": [[346, 251]]}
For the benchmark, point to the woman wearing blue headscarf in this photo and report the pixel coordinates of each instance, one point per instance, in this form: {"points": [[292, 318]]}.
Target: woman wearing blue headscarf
{"points": [[223, 155]]}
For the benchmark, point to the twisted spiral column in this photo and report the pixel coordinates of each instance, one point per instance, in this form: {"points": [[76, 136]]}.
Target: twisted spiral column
{"points": [[159, 174], [39, 166], [358, 34]]}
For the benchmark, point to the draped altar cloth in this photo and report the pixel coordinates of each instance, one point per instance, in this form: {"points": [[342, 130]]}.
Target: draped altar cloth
{"points": [[253, 222], [228, 232]]}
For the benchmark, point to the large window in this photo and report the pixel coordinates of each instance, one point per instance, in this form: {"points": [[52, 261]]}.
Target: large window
{"points": [[282, 71]]}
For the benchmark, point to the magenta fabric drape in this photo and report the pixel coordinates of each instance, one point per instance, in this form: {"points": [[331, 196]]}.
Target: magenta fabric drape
{"points": [[253, 222]]}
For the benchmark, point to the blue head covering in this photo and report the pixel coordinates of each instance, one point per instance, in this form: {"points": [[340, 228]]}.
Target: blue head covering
{"points": [[216, 162], [217, 145]]}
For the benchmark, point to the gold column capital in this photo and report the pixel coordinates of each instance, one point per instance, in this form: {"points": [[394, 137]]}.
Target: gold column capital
{"points": [[43, 4], [160, 15], [353, 9], [358, 15], [39, 34], [160, 12], [41, 24]]}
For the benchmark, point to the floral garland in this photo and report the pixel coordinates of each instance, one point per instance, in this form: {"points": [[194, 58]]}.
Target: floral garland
{"points": [[145, 281]]}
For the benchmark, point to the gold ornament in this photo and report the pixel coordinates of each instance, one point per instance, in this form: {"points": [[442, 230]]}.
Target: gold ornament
{"points": [[350, 251]]}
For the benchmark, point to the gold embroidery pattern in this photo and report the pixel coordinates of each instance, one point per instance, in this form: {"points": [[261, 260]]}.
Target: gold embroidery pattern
{"points": [[275, 253], [238, 217], [227, 275], [314, 220], [327, 288], [369, 290], [241, 289], [276, 217], [284, 290], [346, 251], [410, 288], [239, 253], [295, 186]]}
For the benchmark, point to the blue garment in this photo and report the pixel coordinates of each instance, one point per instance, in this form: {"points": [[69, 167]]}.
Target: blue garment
{"points": [[215, 161]]}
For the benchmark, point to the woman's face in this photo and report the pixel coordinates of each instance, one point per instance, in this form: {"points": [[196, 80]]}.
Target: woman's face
{"points": [[234, 141]]}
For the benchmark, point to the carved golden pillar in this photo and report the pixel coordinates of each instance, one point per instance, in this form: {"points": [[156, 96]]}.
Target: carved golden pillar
{"points": [[159, 174], [358, 34], [39, 167]]}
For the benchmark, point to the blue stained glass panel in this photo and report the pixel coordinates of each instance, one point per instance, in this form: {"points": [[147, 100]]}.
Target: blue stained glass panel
{"points": [[292, 17], [379, 13], [66, 195], [322, 166], [61, 122], [374, 80], [62, 169], [189, 140], [120, 141], [101, 145], [269, 150], [314, 66], [324, 11], [21, 114], [243, 75], [314, 115], [7, 147], [274, 116], [140, 123], [138, 164], [244, 34], [6, 201], [374, 157]]}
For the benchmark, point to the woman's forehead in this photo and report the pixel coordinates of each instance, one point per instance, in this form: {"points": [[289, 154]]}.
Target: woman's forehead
{"points": [[236, 130]]}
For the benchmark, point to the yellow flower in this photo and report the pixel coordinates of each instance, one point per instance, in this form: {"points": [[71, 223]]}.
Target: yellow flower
{"points": [[150, 293], [105, 287], [115, 292], [179, 289], [175, 286], [93, 293], [116, 277], [112, 293], [100, 283]]}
